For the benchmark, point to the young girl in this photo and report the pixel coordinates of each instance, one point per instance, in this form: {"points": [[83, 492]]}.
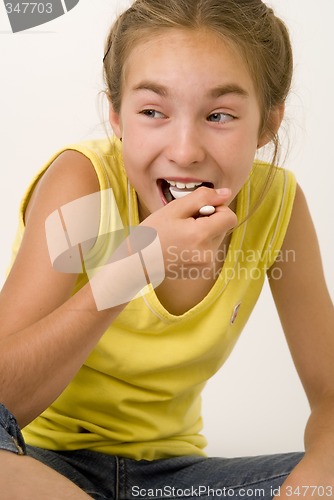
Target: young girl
{"points": [[131, 296]]}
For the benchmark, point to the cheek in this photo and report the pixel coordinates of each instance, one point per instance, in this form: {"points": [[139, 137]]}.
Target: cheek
{"points": [[135, 166], [240, 161], [135, 145], [241, 151]]}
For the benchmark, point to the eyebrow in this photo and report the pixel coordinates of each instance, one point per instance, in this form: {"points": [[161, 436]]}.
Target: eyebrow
{"points": [[228, 89], [152, 87], [216, 92]]}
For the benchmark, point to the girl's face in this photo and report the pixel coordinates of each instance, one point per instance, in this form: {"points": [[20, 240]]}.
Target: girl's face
{"points": [[189, 114]]}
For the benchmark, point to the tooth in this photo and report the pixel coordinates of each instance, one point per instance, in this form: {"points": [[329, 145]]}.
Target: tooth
{"points": [[192, 185], [180, 185], [172, 183]]}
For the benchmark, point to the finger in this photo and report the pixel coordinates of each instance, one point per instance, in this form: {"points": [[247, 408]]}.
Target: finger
{"points": [[223, 220], [189, 205]]}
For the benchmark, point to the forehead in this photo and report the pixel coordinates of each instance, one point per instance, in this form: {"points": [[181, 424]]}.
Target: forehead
{"points": [[190, 57]]}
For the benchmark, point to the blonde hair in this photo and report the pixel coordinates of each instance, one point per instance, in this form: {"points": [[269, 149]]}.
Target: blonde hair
{"points": [[251, 26]]}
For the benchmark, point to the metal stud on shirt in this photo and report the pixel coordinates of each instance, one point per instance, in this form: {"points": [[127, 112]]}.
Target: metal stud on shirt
{"points": [[235, 313]]}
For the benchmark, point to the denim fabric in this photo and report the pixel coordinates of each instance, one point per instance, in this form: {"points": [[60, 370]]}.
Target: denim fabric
{"points": [[11, 438], [106, 477]]}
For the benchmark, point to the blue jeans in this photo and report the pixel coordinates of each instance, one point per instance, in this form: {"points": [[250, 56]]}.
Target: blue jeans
{"points": [[109, 478]]}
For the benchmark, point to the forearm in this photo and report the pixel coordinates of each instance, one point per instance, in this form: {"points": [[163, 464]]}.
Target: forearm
{"points": [[38, 362]]}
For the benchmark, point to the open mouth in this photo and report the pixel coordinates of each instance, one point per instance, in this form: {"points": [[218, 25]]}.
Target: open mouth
{"points": [[172, 190]]}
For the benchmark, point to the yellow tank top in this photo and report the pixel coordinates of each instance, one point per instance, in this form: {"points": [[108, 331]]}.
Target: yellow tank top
{"points": [[138, 394]]}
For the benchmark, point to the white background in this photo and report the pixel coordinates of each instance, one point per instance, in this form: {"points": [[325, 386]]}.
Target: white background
{"points": [[50, 84]]}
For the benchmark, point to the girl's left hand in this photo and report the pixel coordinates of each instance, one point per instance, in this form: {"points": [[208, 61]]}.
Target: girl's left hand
{"points": [[310, 479]]}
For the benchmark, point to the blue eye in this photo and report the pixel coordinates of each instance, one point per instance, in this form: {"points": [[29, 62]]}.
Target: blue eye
{"points": [[220, 117]]}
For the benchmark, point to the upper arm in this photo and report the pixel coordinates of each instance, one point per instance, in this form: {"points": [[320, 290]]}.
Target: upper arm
{"points": [[303, 302], [33, 288]]}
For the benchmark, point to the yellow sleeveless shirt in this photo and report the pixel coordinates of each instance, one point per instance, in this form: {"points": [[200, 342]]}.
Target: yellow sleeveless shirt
{"points": [[138, 394]]}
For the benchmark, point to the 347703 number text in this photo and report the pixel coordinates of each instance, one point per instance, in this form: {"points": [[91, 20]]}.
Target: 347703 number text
{"points": [[29, 8]]}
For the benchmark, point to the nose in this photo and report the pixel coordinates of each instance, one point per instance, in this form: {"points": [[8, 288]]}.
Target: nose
{"points": [[186, 146]]}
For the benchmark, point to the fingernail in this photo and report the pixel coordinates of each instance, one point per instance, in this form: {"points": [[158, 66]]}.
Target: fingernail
{"points": [[223, 191]]}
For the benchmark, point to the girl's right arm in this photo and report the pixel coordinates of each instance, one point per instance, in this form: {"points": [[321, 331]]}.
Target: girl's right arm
{"points": [[45, 334]]}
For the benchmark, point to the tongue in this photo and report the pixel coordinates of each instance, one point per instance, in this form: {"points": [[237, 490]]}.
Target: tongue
{"points": [[179, 193]]}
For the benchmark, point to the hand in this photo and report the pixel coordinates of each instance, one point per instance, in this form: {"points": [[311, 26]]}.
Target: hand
{"points": [[188, 240], [311, 479]]}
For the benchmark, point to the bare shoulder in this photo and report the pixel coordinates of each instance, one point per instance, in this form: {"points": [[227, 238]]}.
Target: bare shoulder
{"points": [[33, 284], [69, 176]]}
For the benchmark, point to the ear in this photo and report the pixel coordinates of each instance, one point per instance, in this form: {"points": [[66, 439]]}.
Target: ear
{"points": [[273, 124], [115, 121]]}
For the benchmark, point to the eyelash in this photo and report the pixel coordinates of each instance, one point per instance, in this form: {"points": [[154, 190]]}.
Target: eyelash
{"points": [[149, 113], [230, 117]]}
